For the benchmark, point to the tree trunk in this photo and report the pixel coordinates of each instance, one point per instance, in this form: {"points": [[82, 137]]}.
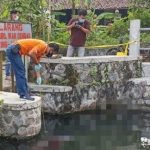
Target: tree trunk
{"points": [[73, 7]]}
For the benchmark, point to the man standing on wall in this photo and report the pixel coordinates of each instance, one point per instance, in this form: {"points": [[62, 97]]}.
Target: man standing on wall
{"points": [[33, 48], [79, 28], [14, 17]]}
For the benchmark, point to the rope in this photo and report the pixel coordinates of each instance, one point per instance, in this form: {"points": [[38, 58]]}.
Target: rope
{"points": [[100, 46]]}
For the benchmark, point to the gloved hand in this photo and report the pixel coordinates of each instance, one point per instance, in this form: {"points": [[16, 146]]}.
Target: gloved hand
{"points": [[37, 67], [39, 80]]}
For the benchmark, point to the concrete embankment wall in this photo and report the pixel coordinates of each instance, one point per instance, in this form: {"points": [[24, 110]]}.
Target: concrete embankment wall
{"points": [[95, 81]]}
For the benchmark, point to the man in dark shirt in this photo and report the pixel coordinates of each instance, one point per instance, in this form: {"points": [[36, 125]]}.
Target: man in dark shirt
{"points": [[79, 27]]}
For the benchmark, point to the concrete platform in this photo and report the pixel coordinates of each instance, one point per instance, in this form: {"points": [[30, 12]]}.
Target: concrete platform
{"points": [[19, 119], [12, 99], [146, 69], [55, 99], [49, 88], [90, 59], [137, 89], [145, 80]]}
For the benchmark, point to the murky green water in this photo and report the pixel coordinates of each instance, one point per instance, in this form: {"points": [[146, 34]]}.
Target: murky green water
{"points": [[109, 130]]}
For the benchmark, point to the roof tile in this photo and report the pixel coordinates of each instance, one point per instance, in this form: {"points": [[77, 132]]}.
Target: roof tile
{"points": [[96, 4]]}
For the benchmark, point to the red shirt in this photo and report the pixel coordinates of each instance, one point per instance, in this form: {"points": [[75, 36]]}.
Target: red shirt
{"points": [[78, 37]]}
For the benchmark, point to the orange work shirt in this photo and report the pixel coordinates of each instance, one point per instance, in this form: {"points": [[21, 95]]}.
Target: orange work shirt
{"points": [[37, 46]]}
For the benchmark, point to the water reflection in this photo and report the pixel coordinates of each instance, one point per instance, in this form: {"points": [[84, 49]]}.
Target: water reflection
{"points": [[109, 130]]}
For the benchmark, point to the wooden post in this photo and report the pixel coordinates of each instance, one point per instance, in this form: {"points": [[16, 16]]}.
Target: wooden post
{"points": [[1, 70], [134, 48], [73, 8]]}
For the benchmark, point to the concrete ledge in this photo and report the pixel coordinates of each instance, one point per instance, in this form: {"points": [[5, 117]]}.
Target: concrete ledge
{"points": [[136, 89], [49, 88], [144, 80], [19, 119], [89, 59], [146, 69], [13, 102], [55, 99]]}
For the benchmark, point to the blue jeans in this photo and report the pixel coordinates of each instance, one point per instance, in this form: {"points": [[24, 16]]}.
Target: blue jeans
{"points": [[8, 67], [19, 70]]}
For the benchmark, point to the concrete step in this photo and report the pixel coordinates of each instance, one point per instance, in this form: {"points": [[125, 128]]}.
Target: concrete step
{"points": [[142, 80], [146, 69], [138, 88]]}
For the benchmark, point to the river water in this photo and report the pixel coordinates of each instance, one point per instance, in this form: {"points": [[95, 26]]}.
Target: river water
{"points": [[103, 130]]}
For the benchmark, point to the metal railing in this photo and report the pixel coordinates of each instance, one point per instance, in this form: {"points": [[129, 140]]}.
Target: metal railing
{"points": [[147, 48]]}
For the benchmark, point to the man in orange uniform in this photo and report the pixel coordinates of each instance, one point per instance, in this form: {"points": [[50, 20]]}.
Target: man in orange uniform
{"points": [[33, 48]]}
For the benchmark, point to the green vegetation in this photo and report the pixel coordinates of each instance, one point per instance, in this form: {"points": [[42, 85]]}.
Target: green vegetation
{"points": [[46, 27], [1, 101]]}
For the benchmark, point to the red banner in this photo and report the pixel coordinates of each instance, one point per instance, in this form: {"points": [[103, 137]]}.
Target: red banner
{"points": [[12, 31]]}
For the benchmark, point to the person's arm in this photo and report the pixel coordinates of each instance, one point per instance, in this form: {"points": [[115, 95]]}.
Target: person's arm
{"points": [[71, 24], [85, 30], [32, 55]]}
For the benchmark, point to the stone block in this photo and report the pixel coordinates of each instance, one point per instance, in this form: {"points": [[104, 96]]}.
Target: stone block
{"points": [[17, 117]]}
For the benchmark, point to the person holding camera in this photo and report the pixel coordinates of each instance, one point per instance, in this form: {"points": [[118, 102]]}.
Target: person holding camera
{"points": [[79, 28]]}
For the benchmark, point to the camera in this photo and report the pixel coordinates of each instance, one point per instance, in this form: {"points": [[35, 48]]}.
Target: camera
{"points": [[79, 23]]}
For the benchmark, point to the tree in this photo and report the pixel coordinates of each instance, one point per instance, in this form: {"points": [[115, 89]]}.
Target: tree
{"points": [[139, 9], [33, 11], [140, 3]]}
